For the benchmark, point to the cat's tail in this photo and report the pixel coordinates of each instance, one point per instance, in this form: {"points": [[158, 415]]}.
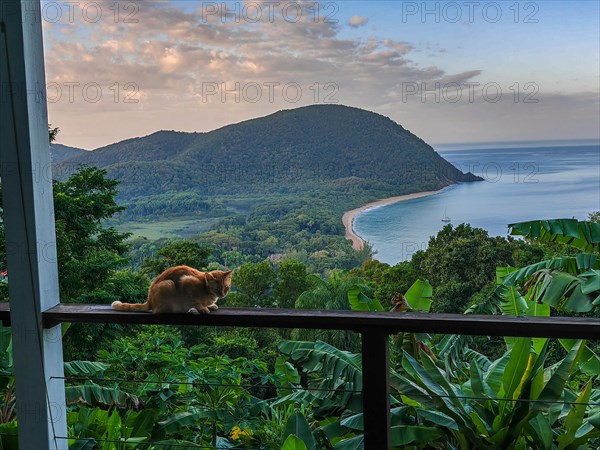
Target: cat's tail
{"points": [[120, 306]]}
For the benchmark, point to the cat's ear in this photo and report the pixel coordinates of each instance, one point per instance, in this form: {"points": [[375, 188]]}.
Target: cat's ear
{"points": [[228, 273], [209, 275]]}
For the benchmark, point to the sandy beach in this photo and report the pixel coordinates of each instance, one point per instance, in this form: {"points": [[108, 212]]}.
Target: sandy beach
{"points": [[349, 216]]}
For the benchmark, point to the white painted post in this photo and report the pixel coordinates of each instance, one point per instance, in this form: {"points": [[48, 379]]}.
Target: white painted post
{"points": [[29, 224]]}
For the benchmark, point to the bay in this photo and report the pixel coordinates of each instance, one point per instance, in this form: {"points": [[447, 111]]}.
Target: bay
{"points": [[520, 184]]}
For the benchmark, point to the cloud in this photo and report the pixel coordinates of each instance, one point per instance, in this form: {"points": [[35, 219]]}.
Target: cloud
{"points": [[170, 60], [357, 21], [173, 68]]}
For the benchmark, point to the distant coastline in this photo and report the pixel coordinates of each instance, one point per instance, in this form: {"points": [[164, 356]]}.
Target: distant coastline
{"points": [[348, 218], [515, 144]]}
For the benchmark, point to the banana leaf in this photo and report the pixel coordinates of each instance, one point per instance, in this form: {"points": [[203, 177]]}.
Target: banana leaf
{"points": [[575, 417], [554, 388], [419, 296], [92, 394], [88, 369], [353, 443], [414, 435], [579, 234], [294, 443], [298, 426], [360, 302]]}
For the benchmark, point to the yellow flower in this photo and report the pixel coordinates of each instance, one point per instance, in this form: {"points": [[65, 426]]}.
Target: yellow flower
{"points": [[235, 433]]}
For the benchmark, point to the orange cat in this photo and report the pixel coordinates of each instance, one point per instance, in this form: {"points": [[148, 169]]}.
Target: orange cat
{"points": [[182, 289]]}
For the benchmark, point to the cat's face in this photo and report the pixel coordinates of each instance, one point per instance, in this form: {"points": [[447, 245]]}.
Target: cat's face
{"points": [[219, 282]]}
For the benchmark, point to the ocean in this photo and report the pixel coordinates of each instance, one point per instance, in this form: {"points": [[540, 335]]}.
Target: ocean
{"points": [[520, 184]]}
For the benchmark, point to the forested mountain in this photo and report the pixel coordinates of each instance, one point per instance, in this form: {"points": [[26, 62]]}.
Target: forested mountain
{"points": [[59, 152], [322, 148]]}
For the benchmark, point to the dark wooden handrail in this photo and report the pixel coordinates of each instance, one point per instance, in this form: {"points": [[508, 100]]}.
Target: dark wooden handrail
{"points": [[551, 327], [375, 328], [476, 325]]}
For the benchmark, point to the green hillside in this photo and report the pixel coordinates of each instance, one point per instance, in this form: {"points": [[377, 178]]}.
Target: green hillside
{"points": [[325, 148], [275, 186]]}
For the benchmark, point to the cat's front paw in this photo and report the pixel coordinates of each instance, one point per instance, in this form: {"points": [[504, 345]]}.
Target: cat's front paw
{"points": [[213, 307], [199, 310]]}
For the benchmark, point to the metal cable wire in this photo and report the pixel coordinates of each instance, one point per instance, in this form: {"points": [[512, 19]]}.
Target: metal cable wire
{"points": [[523, 400], [299, 388], [191, 383]]}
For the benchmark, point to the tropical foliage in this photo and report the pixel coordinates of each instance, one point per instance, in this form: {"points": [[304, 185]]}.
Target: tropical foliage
{"points": [[312, 397], [557, 285], [570, 283], [159, 387], [516, 401]]}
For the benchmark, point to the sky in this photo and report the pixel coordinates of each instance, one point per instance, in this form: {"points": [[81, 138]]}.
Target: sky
{"points": [[450, 72]]}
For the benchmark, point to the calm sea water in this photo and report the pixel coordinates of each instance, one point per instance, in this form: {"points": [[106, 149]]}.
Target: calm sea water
{"points": [[520, 184]]}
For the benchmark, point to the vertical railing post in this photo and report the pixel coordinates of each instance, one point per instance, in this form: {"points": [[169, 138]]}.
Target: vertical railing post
{"points": [[376, 390], [29, 223]]}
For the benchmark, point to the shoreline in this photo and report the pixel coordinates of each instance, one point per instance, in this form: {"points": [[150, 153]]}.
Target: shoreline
{"points": [[349, 217]]}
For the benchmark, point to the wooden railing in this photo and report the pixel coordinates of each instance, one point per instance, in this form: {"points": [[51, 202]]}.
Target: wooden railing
{"points": [[374, 327]]}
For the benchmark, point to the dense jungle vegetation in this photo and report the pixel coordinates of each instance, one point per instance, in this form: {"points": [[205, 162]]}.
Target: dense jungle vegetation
{"points": [[155, 387], [166, 387]]}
